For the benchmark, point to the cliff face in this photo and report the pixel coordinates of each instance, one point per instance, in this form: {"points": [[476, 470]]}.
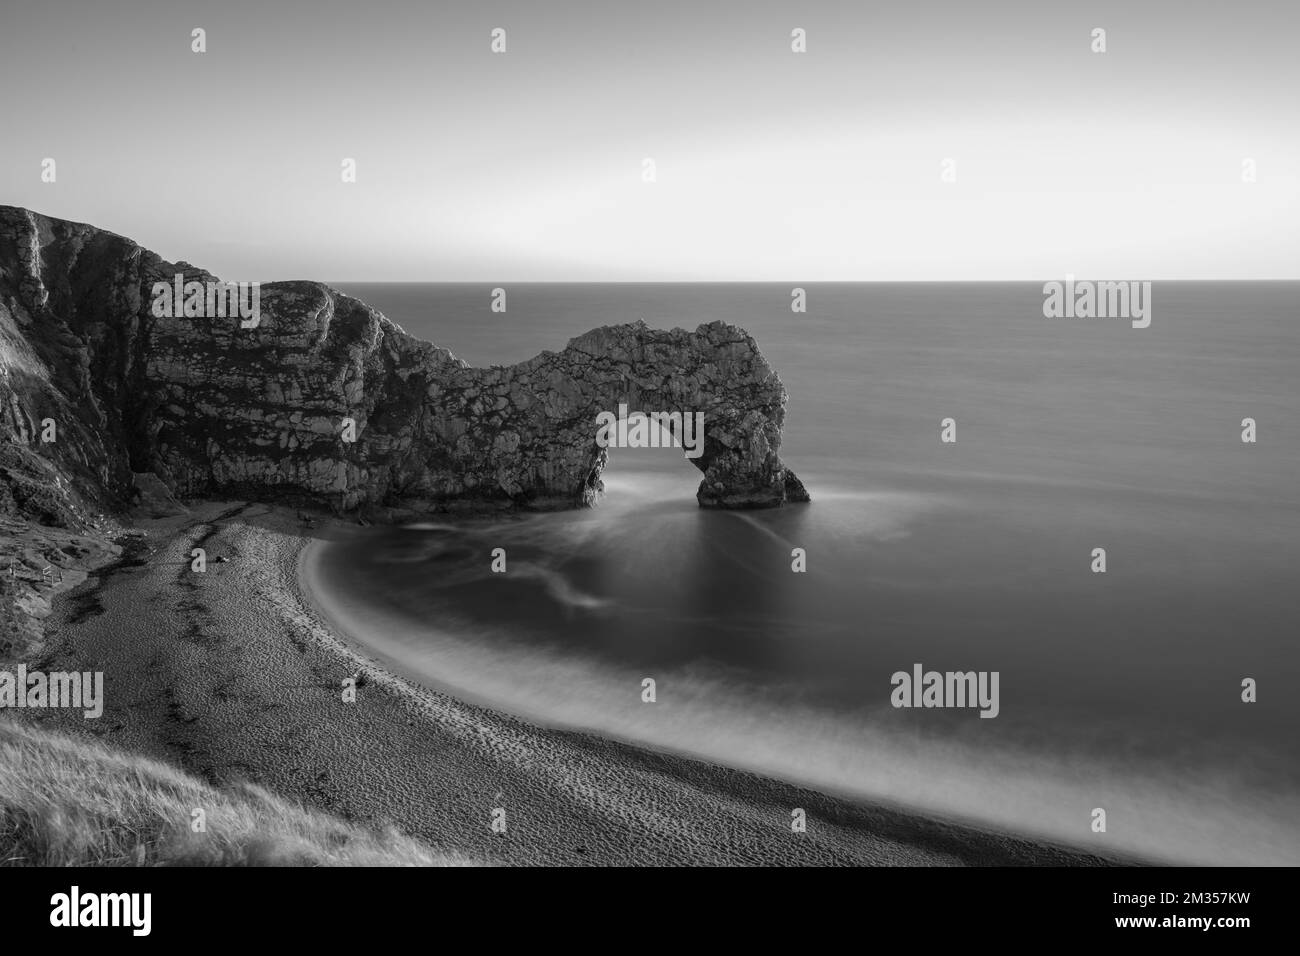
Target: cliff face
{"points": [[214, 409]]}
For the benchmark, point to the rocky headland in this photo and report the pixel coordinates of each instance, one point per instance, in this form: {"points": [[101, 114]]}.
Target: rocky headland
{"points": [[215, 409]]}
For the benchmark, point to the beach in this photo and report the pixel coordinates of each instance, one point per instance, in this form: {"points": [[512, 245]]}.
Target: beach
{"points": [[233, 675]]}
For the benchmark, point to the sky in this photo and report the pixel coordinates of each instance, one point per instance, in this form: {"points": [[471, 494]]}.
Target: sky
{"points": [[769, 165]]}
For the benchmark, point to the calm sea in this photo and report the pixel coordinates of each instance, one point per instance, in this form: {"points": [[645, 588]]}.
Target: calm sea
{"points": [[1119, 691]]}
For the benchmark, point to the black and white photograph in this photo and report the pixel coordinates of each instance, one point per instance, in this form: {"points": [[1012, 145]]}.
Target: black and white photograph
{"points": [[690, 435]]}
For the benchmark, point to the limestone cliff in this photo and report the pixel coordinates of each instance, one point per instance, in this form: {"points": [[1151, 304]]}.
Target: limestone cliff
{"points": [[214, 409]]}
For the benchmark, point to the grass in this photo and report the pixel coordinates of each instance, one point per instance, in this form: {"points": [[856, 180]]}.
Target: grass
{"points": [[67, 801]]}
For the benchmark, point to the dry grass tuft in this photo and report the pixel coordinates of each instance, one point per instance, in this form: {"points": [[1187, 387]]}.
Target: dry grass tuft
{"points": [[65, 801]]}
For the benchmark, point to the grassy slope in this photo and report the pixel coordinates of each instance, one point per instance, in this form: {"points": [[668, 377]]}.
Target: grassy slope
{"points": [[67, 801]]}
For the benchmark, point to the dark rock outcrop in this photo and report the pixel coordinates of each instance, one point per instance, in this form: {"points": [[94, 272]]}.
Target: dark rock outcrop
{"points": [[214, 409]]}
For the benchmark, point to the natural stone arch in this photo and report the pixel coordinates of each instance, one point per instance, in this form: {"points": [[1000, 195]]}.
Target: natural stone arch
{"points": [[528, 431], [216, 409]]}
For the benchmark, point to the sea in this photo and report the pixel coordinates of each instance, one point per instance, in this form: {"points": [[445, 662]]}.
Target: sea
{"points": [[1163, 692]]}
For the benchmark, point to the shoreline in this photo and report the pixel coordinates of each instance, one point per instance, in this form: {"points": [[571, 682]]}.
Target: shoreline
{"points": [[234, 675]]}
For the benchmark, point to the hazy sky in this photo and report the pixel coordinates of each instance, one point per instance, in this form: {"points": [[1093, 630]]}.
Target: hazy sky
{"points": [[770, 165]]}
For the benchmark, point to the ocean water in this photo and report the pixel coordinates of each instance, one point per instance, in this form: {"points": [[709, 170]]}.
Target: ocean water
{"points": [[1119, 691]]}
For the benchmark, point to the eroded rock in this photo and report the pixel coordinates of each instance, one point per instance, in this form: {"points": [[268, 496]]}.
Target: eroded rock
{"points": [[213, 409]]}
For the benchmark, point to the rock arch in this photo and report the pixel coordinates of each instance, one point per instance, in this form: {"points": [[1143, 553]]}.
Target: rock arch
{"points": [[216, 409]]}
